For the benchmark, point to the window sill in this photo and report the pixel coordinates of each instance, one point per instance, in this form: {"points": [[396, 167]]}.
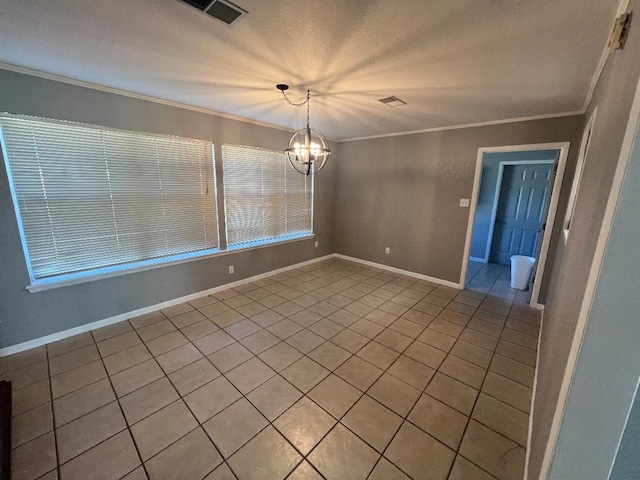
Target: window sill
{"points": [[266, 243], [75, 279]]}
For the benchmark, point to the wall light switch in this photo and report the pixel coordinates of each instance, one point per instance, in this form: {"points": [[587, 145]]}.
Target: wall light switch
{"points": [[231, 269], [464, 202], [387, 250], [317, 243]]}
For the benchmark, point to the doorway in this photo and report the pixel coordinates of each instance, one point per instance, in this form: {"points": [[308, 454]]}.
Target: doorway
{"points": [[523, 197], [513, 208]]}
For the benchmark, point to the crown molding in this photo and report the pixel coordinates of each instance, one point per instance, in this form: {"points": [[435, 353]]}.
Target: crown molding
{"points": [[126, 93], [470, 125], [103, 88], [606, 53]]}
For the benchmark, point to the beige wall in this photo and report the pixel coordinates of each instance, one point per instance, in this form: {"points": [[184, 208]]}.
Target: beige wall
{"points": [[613, 97], [404, 192]]}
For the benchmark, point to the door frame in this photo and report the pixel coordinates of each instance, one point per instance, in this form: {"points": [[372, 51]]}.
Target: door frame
{"points": [[626, 152], [563, 148], [496, 197]]}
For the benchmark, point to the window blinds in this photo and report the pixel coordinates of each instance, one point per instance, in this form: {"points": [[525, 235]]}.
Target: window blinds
{"points": [[89, 197], [265, 199]]}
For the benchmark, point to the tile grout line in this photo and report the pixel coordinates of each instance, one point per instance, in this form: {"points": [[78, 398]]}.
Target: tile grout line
{"points": [[51, 394], [53, 415], [305, 395], [478, 396], [128, 429], [363, 294], [243, 396], [180, 398], [406, 418], [373, 399], [332, 372], [457, 451], [312, 360]]}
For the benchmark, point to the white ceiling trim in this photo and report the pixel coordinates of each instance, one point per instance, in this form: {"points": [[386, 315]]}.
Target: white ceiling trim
{"points": [[508, 61], [117, 91], [606, 53], [139, 96], [470, 125]]}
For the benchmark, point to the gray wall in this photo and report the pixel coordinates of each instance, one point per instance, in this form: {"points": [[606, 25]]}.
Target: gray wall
{"points": [[490, 169], [404, 192], [570, 270], [26, 316], [627, 462], [606, 374]]}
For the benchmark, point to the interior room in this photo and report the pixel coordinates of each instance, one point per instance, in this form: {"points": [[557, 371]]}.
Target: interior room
{"points": [[319, 240]]}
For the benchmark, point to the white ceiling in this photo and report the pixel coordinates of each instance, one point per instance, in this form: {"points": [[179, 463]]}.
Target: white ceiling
{"points": [[454, 62]]}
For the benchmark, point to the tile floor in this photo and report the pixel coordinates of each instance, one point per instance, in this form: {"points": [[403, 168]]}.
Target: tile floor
{"points": [[335, 370]]}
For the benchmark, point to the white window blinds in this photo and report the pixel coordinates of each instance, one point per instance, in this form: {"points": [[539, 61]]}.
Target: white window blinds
{"points": [[90, 198], [265, 199]]}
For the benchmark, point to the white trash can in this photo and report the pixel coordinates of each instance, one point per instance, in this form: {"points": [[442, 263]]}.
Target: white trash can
{"points": [[521, 268]]}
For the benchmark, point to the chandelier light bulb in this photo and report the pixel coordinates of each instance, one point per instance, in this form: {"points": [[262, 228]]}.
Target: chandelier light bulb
{"points": [[308, 151]]}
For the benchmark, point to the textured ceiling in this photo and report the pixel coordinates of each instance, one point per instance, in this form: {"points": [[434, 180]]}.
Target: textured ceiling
{"points": [[454, 62]]}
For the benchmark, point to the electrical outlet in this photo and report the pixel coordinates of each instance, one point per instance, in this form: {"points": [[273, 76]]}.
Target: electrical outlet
{"points": [[387, 250], [317, 243], [464, 202], [231, 269]]}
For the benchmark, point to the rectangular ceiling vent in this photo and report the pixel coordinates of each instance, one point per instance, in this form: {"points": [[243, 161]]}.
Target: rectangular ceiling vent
{"points": [[392, 101], [223, 10]]}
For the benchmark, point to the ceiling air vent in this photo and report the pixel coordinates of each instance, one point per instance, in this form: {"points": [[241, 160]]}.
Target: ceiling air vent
{"points": [[222, 10], [392, 101], [199, 4]]}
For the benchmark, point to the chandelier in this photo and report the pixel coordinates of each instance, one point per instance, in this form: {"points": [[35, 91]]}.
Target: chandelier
{"points": [[308, 149]]}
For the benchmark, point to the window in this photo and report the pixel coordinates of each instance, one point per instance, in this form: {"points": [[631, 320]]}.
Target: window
{"points": [[92, 200], [265, 199], [577, 177]]}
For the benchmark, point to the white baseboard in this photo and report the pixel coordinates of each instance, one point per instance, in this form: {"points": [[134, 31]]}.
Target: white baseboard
{"points": [[398, 270], [533, 400], [478, 259], [537, 306], [54, 337]]}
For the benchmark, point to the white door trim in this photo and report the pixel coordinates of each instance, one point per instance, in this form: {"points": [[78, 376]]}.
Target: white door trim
{"points": [[587, 132], [594, 274], [563, 147], [496, 197]]}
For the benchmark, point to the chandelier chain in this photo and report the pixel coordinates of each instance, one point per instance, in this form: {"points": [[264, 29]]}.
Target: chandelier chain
{"points": [[301, 104], [306, 102]]}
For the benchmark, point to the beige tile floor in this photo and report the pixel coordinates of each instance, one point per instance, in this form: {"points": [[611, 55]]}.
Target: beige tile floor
{"points": [[334, 370]]}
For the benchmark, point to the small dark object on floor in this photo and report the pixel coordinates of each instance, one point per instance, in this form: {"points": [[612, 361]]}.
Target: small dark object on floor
{"points": [[5, 430]]}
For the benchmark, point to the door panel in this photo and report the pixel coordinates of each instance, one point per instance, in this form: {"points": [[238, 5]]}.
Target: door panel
{"points": [[522, 208]]}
